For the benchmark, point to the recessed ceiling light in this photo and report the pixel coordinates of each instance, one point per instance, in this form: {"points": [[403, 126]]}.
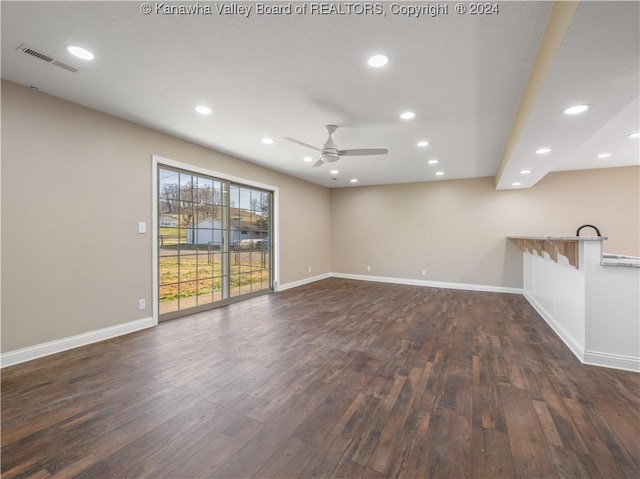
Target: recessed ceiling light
{"points": [[423, 144], [516, 183], [604, 155], [439, 173], [634, 135], [203, 110], [377, 61], [433, 162], [543, 151], [408, 115], [526, 172], [353, 180], [574, 110], [267, 141], [334, 172], [80, 52], [307, 159]]}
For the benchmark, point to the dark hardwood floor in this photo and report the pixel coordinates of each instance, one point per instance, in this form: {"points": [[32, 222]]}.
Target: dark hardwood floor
{"points": [[337, 378]]}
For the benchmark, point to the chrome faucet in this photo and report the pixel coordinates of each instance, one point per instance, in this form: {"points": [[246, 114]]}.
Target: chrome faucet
{"points": [[588, 226]]}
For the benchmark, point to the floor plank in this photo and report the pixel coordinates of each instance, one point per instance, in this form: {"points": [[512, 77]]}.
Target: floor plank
{"points": [[337, 378]]}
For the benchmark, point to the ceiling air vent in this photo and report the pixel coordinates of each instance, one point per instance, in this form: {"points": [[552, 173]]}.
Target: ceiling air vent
{"points": [[26, 49], [66, 66]]}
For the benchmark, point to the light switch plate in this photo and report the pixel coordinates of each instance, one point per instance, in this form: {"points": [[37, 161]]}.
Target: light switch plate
{"points": [[142, 227]]}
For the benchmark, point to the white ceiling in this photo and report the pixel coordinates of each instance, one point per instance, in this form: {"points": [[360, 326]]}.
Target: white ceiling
{"points": [[289, 75]]}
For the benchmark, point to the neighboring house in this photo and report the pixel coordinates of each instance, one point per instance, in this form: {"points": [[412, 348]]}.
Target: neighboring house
{"points": [[244, 231], [248, 225], [210, 231], [168, 220], [205, 232]]}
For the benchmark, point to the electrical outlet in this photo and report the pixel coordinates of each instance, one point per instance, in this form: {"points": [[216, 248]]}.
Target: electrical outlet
{"points": [[424, 272], [142, 304], [368, 268], [309, 269]]}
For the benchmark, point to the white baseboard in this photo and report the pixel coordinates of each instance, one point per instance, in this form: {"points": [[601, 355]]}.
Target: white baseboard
{"points": [[615, 361], [301, 282], [412, 282], [575, 347], [33, 352], [52, 347], [592, 358], [430, 284]]}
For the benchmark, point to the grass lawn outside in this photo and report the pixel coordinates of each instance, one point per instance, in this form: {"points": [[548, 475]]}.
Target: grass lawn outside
{"points": [[194, 276]]}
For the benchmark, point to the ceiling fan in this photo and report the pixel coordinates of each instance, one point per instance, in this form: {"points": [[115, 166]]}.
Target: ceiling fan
{"points": [[329, 152]]}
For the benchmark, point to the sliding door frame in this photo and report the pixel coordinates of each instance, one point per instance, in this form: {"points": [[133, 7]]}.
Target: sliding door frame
{"points": [[159, 161]]}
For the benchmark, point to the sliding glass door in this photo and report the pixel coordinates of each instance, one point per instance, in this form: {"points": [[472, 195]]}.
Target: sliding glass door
{"points": [[213, 242]]}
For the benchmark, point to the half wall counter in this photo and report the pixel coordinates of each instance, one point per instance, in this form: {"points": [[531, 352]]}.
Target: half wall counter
{"points": [[590, 299]]}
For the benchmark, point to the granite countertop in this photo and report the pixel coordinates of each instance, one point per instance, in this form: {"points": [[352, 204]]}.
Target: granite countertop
{"points": [[561, 238], [605, 260], [620, 260]]}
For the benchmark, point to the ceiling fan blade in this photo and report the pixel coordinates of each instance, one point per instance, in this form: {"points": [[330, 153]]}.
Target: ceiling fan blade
{"points": [[318, 163], [293, 140], [364, 151]]}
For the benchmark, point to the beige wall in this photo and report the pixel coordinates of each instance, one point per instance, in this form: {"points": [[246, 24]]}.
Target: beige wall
{"points": [[75, 183], [456, 230]]}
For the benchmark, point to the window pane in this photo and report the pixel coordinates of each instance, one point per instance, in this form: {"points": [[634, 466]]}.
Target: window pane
{"points": [[168, 298], [187, 293], [203, 190], [205, 291], [205, 266], [234, 196], [203, 237], [168, 239], [234, 285], [216, 264], [245, 199], [168, 292], [186, 187], [217, 289], [187, 267], [168, 270], [168, 193]]}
